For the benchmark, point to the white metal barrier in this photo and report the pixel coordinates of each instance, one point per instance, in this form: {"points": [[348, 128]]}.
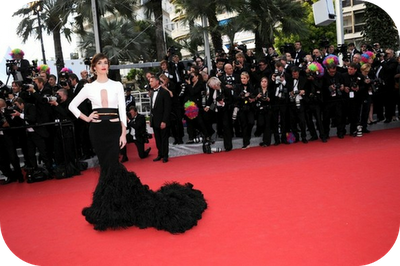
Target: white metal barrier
{"points": [[142, 101]]}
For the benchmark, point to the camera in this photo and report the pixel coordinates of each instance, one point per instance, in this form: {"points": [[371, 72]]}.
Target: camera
{"points": [[63, 78], [335, 90], [219, 98], [354, 83], [229, 80], [183, 86], [237, 62], [87, 61], [50, 98], [9, 66], [25, 87], [172, 50]]}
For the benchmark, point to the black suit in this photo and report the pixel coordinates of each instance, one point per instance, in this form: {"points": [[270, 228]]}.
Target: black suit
{"points": [[83, 144], [138, 123], [36, 139], [161, 112], [25, 69], [298, 57], [179, 71], [297, 110], [8, 154], [224, 115]]}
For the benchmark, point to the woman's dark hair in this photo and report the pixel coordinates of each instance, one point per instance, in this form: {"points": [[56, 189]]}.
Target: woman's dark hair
{"points": [[96, 58]]}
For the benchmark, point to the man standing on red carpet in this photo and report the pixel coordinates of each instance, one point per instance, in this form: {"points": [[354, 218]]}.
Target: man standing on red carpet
{"points": [[160, 118]]}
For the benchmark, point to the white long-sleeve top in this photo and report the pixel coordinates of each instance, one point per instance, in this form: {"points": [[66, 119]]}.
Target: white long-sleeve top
{"points": [[93, 91]]}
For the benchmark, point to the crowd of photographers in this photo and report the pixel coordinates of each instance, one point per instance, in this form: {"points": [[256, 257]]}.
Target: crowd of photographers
{"points": [[288, 97], [282, 97], [35, 118]]}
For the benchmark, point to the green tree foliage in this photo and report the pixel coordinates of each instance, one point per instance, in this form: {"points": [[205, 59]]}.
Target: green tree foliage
{"points": [[379, 27]]}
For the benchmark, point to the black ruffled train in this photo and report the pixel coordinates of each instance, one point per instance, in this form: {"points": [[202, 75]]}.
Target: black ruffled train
{"points": [[121, 200]]}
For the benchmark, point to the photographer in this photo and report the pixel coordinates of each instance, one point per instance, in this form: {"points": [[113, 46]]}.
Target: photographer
{"points": [[19, 67], [367, 96], [200, 64], [8, 154], [241, 64], [53, 84], [297, 85], [314, 102], [218, 71], [64, 150], [220, 101], [280, 99], [264, 113], [40, 96], [262, 70], [177, 131], [194, 89], [64, 82], [385, 97], [35, 135], [83, 144], [244, 106], [332, 94], [136, 133], [353, 88]]}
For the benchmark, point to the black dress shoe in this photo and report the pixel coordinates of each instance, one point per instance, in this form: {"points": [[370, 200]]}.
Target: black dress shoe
{"points": [[147, 151], [313, 138], [165, 160], [366, 131], [305, 141], [158, 158], [9, 180], [124, 159], [387, 121]]}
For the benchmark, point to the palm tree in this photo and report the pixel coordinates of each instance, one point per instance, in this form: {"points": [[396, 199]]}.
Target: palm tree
{"points": [[54, 18], [154, 7], [194, 10], [270, 18], [121, 41]]}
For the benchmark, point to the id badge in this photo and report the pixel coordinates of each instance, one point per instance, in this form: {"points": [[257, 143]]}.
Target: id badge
{"points": [[351, 94]]}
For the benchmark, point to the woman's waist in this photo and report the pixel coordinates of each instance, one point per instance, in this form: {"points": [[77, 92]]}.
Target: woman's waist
{"points": [[106, 113]]}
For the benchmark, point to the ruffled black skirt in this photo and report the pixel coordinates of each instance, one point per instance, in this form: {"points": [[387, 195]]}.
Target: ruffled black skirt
{"points": [[120, 199]]}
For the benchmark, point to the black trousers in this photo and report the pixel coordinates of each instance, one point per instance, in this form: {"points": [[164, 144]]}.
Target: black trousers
{"points": [[37, 141], [162, 143]]}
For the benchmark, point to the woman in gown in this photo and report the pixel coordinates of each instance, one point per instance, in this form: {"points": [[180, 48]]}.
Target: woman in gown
{"points": [[120, 199]]}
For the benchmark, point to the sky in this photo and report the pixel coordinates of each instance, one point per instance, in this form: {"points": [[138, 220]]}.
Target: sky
{"points": [[32, 48]]}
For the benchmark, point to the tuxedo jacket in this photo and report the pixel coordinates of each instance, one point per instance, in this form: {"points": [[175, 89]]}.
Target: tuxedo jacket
{"points": [[300, 57], [25, 69], [86, 106], [178, 70], [139, 124], [31, 118], [161, 111], [301, 85]]}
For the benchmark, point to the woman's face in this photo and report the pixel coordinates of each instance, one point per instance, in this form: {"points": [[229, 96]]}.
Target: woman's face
{"points": [[194, 78], [264, 83], [244, 79], [101, 67]]}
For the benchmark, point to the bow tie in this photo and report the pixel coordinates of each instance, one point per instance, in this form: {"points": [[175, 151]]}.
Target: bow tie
{"points": [[156, 90]]}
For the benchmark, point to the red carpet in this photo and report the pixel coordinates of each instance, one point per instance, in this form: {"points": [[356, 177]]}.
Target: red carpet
{"points": [[334, 203]]}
